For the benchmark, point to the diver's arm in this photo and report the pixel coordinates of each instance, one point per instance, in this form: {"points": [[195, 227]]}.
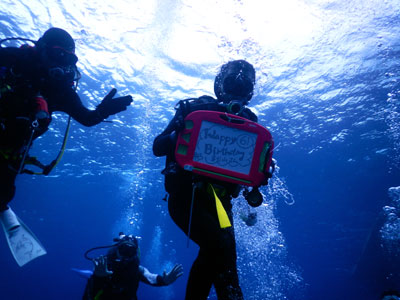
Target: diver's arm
{"points": [[248, 114], [165, 143], [70, 103], [161, 280], [149, 278], [100, 278], [109, 106]]}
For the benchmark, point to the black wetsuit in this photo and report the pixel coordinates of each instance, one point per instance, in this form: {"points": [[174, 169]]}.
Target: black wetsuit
{"points": [[216, 261], [21, 79], [122, 284]]}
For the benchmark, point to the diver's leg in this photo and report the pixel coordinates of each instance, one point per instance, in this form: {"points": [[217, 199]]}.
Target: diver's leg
{"points": [[218, 246], [200, 278], [204, 232], [226, 282], [7, 184], [204, 227], [216, 260], [179, 207]]}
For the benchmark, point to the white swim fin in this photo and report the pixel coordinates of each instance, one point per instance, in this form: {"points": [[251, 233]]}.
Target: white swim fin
{"points": [[23, 244]]}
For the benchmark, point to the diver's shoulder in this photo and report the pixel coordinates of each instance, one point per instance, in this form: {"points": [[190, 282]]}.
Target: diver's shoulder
{"points": [[249, 114], [206, 98]]}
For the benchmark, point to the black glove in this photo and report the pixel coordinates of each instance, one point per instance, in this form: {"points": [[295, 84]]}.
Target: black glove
{"points": [[110, 106], [254, 197]]}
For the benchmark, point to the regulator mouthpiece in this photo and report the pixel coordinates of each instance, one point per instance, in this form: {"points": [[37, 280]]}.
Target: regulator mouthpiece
{"points": [[235, 107]]}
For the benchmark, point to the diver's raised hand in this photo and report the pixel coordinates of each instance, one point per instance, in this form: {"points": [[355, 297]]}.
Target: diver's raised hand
{"points": [[110, 105], [172, 275], [100, 267]]}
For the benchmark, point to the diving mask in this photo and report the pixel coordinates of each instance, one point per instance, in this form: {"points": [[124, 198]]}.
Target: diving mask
{"points": [[61, 57], [127, 247]]}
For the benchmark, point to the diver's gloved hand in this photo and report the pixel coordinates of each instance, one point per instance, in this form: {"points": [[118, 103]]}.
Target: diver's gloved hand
{"points": [[100, 267], [172, 275], [110, 105], [254, 198]]}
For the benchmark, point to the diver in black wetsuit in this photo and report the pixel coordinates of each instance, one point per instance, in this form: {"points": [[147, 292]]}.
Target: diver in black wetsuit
{"points": [[117, 275], [34, 83], [216, 261]]}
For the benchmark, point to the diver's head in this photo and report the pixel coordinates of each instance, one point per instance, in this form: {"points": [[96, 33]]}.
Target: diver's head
{"points": [[124, 256], [235, 82], [58, 47], [127, 248], [57, 53], [57, 37]]}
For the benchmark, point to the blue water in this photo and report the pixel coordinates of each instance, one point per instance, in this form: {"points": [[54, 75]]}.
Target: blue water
{"points": [[328, 89]]}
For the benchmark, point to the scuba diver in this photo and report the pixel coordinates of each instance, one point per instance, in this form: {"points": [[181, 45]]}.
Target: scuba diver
{"points": [[36, 81], [192, 198], [116, 276]]}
